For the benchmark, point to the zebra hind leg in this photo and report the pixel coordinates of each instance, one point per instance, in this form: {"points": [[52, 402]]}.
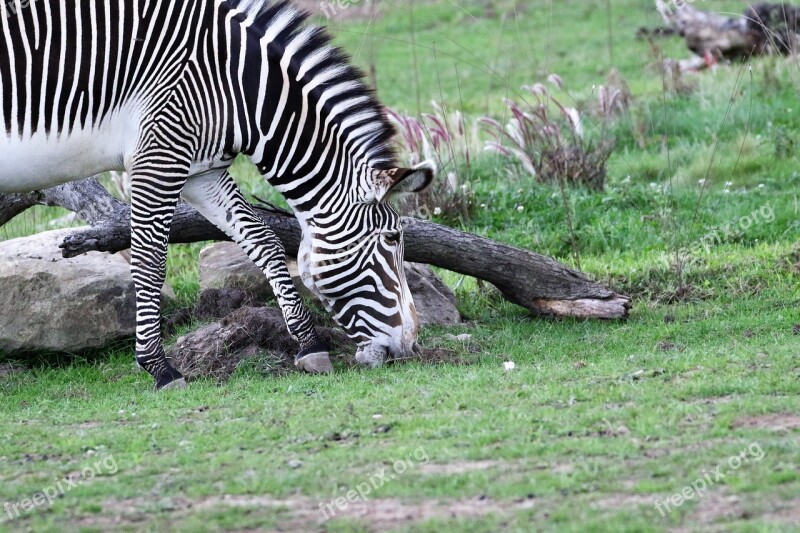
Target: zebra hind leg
{"points": [[153, 201], [217, 197]]}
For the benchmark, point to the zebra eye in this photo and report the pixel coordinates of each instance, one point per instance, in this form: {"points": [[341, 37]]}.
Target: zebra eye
{"points": [[392, 238]]}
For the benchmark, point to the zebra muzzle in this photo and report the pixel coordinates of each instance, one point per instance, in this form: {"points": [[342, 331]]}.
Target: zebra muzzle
{"points": [[371, 355]]}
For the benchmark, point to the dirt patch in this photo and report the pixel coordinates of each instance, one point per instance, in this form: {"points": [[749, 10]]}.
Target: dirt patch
{"points": [[243, 331], [713, 508], [300, 513], [562, 469], [213, 304], [219, 303], [305, 514], [717, 509], [216, 350], [778, 422], [459, 467], [619, 501], [7, 369], [672, 448], [717, 506], [714, 400], [786, 513], [385, 514]]}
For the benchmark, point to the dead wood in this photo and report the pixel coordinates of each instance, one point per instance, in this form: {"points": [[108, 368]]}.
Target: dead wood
{"points": [[525, 278]]}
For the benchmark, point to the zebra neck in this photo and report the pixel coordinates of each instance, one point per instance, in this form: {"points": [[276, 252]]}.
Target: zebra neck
{"points": [[313, 127]]}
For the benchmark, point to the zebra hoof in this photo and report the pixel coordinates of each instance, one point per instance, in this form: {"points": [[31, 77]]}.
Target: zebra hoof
{"points": [[177, 384], [170, 379], [315, 363]]}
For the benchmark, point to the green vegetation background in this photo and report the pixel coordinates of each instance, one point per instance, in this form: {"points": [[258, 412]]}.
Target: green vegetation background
{"points": [[599, 419]]}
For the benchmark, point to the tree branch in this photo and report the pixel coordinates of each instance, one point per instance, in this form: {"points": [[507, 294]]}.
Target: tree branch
{"points": [[525, 278], [12, 205]]}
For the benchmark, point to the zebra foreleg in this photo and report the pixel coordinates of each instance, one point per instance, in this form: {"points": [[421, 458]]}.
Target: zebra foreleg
{"points": [[217, 197], [153, 200]]}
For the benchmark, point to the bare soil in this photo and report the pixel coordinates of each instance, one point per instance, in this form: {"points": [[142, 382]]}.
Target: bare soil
{"points": [[778, 422], [304, 514]]}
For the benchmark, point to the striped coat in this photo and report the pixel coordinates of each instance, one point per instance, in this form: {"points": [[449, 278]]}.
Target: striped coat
{"points": [[172, 92]]}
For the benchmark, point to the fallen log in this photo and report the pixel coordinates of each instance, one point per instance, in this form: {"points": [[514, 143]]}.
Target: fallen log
{"points": [[763, 28], [525, 278], [12, 205]]}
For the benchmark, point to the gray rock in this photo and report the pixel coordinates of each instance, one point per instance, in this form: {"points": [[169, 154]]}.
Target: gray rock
{"points": [[224, 265], [435, 302], [48, 303]]}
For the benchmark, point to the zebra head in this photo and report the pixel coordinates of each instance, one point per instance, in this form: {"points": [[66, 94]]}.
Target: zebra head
{"points": [[352, 259]]}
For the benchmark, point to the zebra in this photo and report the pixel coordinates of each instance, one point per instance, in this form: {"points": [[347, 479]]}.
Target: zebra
{"points": [[172, 92]]}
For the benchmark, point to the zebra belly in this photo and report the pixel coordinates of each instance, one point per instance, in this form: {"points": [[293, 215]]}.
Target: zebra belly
{"points": [[40, 161]]}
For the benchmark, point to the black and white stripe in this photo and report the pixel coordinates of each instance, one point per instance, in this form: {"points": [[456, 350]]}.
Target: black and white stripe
{"points": [[172, 92]]}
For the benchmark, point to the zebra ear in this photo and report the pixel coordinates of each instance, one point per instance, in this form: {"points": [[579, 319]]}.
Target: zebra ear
{"points": [[404, 180]]}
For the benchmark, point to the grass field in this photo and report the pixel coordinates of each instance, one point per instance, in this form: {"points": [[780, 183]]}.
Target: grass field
{"points": [[684, 417]]}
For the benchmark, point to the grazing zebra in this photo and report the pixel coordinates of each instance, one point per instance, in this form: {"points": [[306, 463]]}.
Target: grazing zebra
{"points": [[172, 91]]}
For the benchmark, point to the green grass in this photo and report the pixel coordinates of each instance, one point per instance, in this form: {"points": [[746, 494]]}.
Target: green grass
{"points": [[598, 421], [594, 411], [466, 52]]}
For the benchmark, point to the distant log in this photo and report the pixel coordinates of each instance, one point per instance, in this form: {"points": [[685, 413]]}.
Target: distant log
{"points": [[525, 278], [763, 28]]}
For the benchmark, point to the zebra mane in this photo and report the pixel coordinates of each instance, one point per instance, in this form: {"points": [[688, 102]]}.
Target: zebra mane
{"points": [[318, 56]]}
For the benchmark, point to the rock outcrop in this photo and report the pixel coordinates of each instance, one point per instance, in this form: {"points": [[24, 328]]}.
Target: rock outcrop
{"points": [[224, 265], [52, 304], [435, 302]]}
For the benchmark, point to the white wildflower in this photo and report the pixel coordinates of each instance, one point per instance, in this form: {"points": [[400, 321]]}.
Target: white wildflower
{"points": [[556, 80], [509, 366], [537, 89], [437, 211], [574, 120]]}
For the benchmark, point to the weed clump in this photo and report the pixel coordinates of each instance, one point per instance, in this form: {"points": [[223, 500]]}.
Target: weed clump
{"points": [[548, 139], [442, 137]]}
